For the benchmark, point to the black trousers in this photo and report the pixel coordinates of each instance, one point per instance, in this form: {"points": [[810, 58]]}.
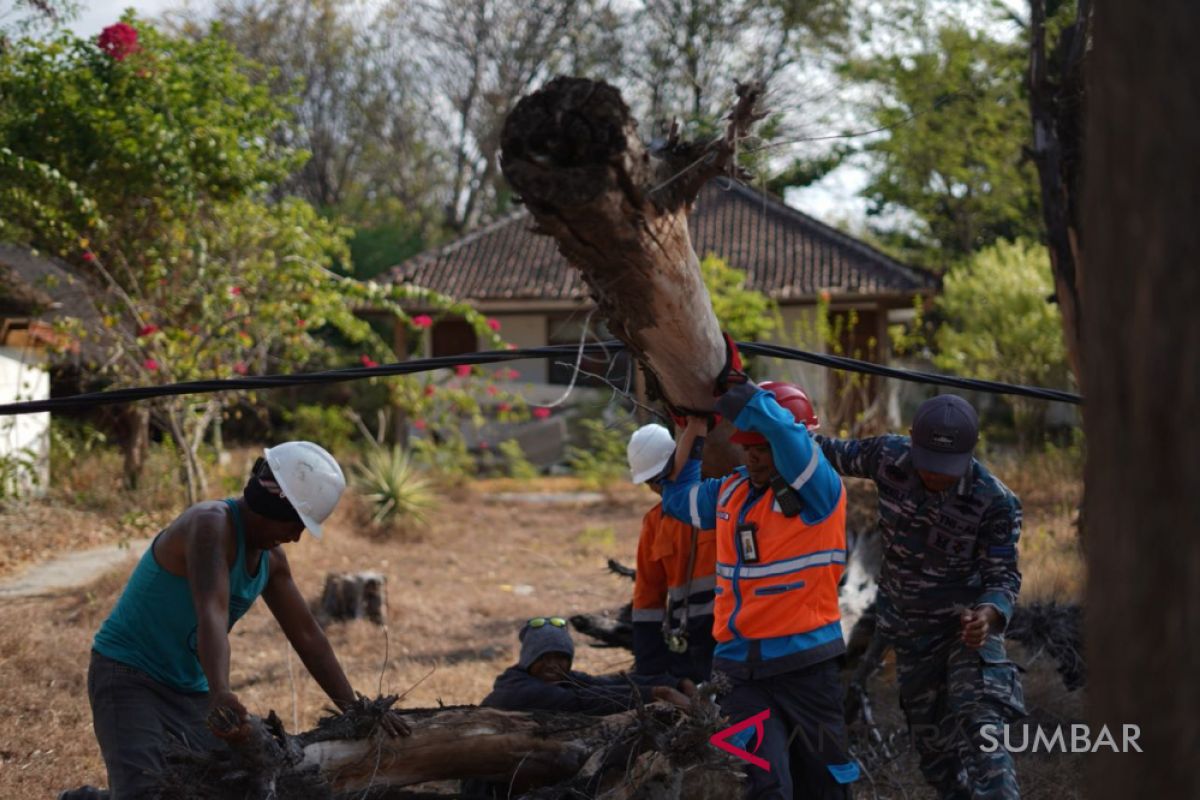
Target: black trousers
{"points": [[804, 738]]}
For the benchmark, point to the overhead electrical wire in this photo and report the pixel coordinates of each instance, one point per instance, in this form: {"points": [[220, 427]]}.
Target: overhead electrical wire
{"points": [[415, 366]]}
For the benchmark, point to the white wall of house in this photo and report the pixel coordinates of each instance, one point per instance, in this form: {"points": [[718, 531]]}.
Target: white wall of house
{"points": [[799, 331], [24, 439], [525, 330]]}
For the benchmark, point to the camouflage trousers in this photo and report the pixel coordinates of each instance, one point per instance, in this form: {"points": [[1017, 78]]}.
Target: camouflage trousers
{"points": [[949, 692]]}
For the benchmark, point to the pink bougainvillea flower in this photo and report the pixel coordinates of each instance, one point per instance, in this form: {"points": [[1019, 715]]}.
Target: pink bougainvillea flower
{"points": [[240, 368], [512, 374], [493, 323], [492, 391], [510, 346], [504, 408], [235, 290], [484, 445], [429, 390], [541, 413], [367, 361], [87, 256], [146, 330], [463, 370], [422, 321], [150, 364], [300, 323], [420, 425], [118, 41]]}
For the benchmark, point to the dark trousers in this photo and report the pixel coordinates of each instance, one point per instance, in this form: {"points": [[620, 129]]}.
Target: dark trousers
{"points": [[134, 717], [804, 738]]}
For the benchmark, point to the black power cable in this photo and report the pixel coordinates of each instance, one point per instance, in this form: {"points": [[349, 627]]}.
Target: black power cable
{"points": [[117, 396]]}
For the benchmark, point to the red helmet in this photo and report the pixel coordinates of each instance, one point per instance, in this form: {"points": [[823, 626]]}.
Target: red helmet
{"points": [[791, 397]]}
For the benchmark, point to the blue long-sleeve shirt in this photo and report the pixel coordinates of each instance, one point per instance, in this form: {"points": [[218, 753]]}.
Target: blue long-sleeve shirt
{"points": [[798, 460]]}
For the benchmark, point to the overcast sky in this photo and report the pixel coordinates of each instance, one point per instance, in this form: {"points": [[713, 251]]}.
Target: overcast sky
{"points": [[833, 199]]}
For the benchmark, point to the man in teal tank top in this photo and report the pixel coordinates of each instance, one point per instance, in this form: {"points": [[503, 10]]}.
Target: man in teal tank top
{"points": [[160, 662]]}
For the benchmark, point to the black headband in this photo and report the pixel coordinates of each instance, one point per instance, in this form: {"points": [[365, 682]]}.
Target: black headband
{"points": [[263, 497]]}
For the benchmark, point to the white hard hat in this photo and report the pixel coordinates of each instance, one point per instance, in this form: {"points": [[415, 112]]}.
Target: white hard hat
{"points": [[650, 448], [310, 479]]}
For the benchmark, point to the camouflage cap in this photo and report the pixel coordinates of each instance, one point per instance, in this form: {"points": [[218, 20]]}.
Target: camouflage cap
{"points": [[944, 433]]}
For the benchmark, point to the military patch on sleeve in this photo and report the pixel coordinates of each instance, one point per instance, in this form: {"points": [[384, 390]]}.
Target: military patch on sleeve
{"points": [[1002, 551]]}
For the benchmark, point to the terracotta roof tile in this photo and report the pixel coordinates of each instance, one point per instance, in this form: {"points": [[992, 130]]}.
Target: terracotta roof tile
{"points": [[786, 253]]}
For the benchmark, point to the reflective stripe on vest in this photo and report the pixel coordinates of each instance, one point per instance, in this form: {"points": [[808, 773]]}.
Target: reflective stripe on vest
{"points": [[792, 588]]}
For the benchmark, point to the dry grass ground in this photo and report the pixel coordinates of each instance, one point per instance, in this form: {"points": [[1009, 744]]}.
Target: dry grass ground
{"points": [[457, 593]]}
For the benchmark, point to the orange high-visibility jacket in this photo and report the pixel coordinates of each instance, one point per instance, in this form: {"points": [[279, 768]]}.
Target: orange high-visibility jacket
{"points": [[663, 551], [792, 586]]}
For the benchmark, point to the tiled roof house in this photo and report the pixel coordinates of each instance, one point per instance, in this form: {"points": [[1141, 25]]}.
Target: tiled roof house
{"points": [[518, 277]]}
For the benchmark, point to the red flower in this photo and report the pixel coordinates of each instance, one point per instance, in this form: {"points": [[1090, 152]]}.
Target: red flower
{"points": [[88, 256], [118, 41], [512, 375], [492, 391], [300, 323], [463, 370], [541, 413], [367, 361], [146, 330], [235, 290], [493, 323], [429, 390], [422, 321], [484, 445], [240, 368], [504, 408], [150, 364], [419, 425]]}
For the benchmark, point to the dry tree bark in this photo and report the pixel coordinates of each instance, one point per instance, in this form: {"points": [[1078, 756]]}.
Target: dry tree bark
{"points": [[1141, 347], [618, 210], [348, 755], [1056, 93]]}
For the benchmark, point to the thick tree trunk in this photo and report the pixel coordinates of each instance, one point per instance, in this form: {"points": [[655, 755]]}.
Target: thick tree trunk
{"points": [[1056, 92], [348, 756], [1142, 379], [618, 211], [133, 433]]}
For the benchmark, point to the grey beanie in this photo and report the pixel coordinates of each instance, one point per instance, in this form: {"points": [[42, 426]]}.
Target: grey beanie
{"points": [[536, 642]]}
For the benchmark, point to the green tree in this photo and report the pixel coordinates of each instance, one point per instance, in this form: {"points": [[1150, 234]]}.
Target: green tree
{"points": [[745, 314], [1000, 325], [950, 175], [147, 164]]}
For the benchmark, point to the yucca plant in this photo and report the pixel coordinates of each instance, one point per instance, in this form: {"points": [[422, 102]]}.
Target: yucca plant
{"points": [[393, 486]]}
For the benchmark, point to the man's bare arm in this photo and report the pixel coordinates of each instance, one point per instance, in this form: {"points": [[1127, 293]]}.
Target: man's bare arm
{"points": [[208, 579], [301, 629]]}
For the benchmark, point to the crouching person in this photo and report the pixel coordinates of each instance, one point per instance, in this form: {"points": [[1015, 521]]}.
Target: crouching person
{"points": [[542, 679]]}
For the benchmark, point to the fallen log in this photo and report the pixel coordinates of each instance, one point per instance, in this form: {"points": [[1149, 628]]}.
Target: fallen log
{"points": [[546, 754], [618, 210]]}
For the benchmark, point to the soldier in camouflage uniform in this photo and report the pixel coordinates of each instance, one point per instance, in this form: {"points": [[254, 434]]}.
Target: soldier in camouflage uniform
{"points": [[946, 591]]}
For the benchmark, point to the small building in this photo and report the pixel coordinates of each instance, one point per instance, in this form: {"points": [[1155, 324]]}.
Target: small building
{"points": [[35, 291], [506, 271]]}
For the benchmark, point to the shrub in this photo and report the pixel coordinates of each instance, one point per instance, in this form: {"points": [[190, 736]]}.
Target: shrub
{"points": [[328, 426], [394, 488], [601, 460], [516, 465]]}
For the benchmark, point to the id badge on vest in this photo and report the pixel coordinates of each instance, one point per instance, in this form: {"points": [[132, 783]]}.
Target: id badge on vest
{"points": [[748, 536]]}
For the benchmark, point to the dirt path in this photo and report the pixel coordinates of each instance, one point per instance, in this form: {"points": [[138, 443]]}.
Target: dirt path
{"points": [[70, 570]]}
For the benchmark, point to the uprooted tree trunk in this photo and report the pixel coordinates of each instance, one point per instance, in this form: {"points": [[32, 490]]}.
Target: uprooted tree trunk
{"points": [[649, 752], [619, 213]]}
